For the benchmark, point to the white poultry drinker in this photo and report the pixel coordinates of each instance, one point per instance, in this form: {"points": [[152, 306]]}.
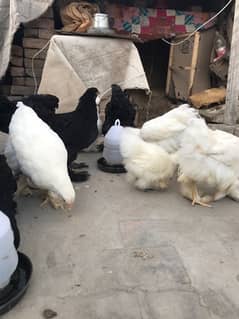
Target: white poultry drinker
{"points": [[111, 151], [8, 253]]}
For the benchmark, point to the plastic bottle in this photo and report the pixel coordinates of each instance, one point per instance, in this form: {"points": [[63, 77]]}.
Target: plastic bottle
{"points": [[220, 47], [8, 253], [111, 151]]}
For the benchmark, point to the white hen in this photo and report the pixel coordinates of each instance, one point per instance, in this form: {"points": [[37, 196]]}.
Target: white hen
{"points": [[208, 160], [40, 154], [208, 163], [167, 130], [148, 165]]}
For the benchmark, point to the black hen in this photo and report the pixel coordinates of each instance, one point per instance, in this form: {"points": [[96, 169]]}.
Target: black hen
{"points": [[78, 129], [7, 108], [120, 108], [8, 205], [43, 104]]}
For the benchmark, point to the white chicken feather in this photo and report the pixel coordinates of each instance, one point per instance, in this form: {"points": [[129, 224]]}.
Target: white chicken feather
{"points": [[148, 165], [210, 160], [40, 154], [11, 157], [166, 130]]}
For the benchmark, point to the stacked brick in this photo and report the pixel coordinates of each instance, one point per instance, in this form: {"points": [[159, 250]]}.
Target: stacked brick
{"points": [[36, 34]]}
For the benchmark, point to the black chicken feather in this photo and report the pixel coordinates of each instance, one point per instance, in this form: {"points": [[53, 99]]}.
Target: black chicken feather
{"points": [[8, 205], [43, 104], [78, 129], [7, 108], [120, 108]]}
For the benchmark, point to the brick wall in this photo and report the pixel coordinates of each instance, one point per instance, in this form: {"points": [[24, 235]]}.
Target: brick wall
{"points": [[36, 35]]}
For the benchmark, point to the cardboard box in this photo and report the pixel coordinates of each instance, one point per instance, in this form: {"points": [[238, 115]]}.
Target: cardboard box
{"points": [[188, 70]]}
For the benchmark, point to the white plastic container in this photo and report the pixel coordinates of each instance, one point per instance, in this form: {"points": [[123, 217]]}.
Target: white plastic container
{"points": [[8, 253], [101, 21], [111, 151]]}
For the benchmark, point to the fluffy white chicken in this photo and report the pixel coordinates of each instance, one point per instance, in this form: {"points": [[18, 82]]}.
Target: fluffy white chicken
{"points": [[208, 160], [208, 163], [148, 165], [39, 153], [167, 130]]}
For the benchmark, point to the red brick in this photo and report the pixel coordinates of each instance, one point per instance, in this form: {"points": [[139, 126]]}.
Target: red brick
{"points": [[30, 81], [29, 53], [17, 71], [34, 43], [38, 72], [21, 90], [45, 34], [37, 63], [17, 61], [29, 32], [17, 50], [43, 23], [18, 80]]}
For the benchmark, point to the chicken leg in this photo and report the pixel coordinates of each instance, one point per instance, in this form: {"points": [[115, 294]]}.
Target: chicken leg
{"points": [[55, 202], [197, 199], [189, 190], [76, 165], [233, 191], [45, 202], [23, 187]]}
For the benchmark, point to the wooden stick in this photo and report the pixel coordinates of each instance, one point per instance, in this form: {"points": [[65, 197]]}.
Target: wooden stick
{"points": [[194, 62], [232, 98], [169, 75]]}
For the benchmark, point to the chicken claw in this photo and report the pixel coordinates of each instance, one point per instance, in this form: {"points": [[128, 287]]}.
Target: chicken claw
{"points": [[45, 202], [75, 165], [54, 203], [23, 187], [78, 176], [200, 203], [196, 199]]}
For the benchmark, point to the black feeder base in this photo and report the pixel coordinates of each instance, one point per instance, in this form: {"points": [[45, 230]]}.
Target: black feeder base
{"points": [[105, 167], [15, 290]]}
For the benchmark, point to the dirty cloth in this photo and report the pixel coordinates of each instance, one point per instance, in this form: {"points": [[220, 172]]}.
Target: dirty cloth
{"points": [[75, 63], [12, 13], [78, 16], [154, 23]]}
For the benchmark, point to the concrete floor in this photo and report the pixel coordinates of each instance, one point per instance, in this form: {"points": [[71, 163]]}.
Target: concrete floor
{"points": [[126, 254]]}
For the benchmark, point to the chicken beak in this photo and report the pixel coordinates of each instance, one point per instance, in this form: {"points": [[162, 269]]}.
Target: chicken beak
{"points": [[68, 206]]}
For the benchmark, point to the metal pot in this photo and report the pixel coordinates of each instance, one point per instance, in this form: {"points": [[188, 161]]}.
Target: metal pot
{"points": [[101, 21]]}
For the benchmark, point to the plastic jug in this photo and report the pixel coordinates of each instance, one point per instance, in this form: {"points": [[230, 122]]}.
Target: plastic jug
{"points": [[8, 253], [111, 151]]}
